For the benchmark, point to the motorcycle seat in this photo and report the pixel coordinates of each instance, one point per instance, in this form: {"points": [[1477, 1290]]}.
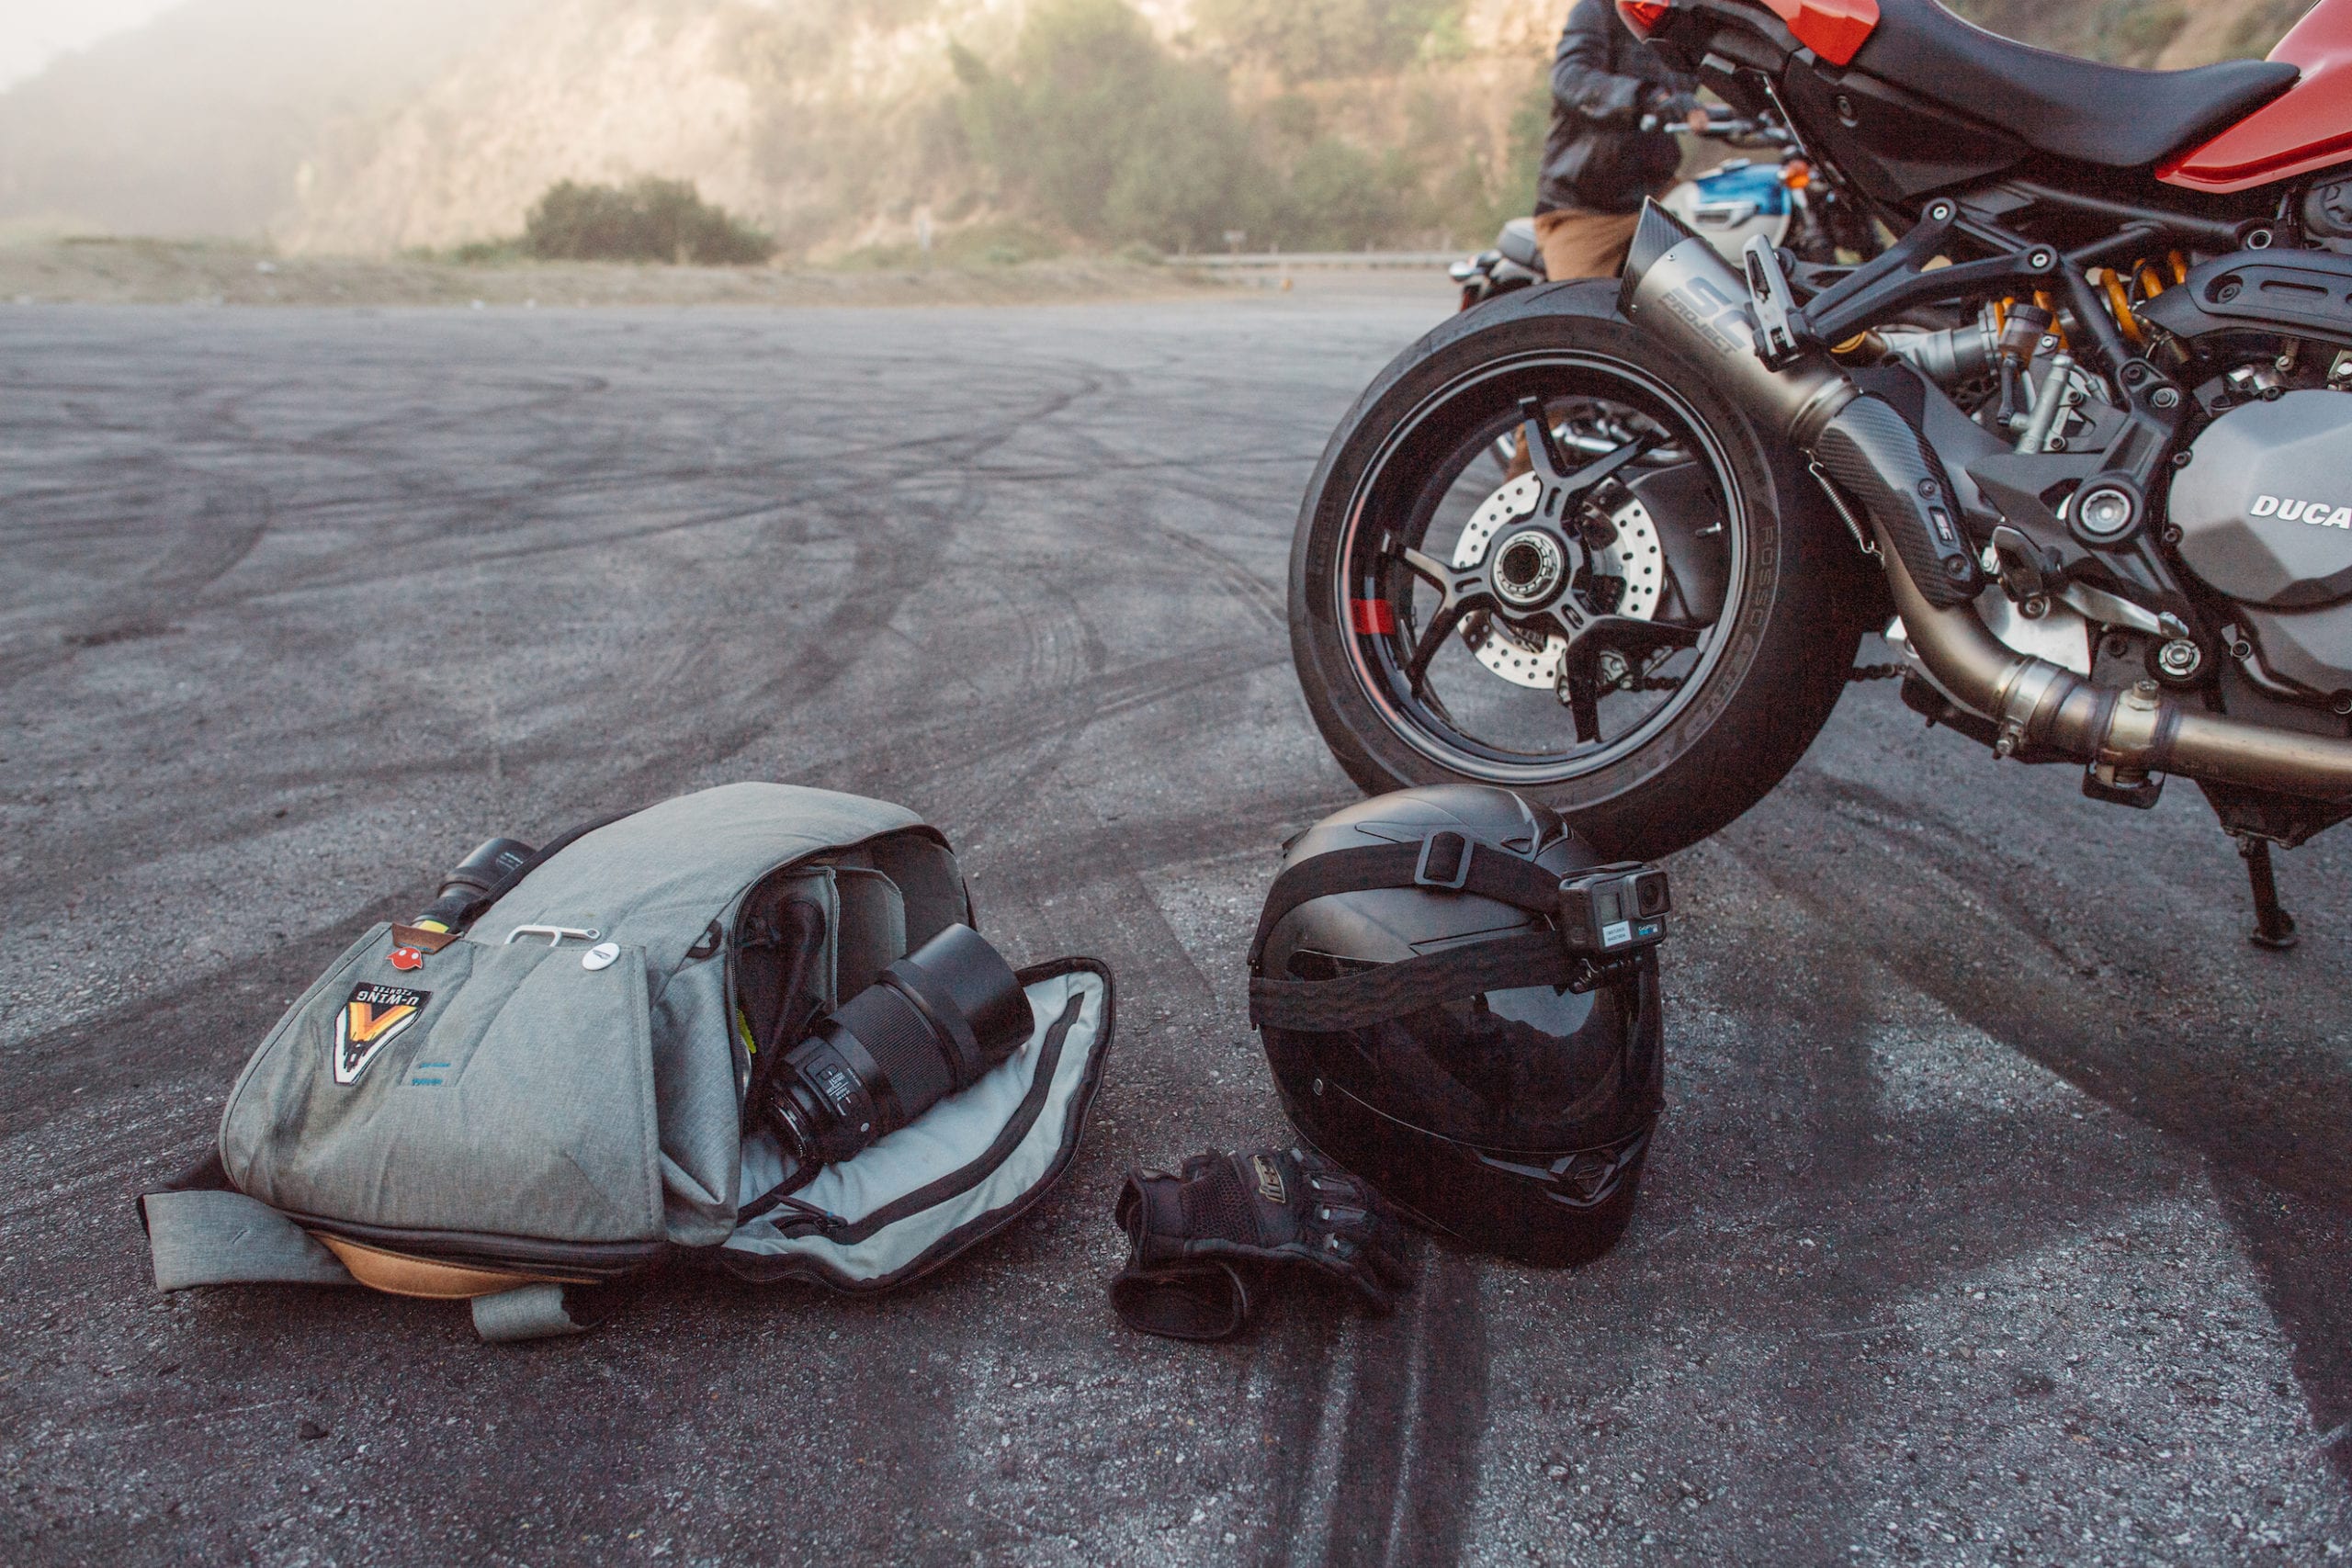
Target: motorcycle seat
{"points": [[2078, 109]]}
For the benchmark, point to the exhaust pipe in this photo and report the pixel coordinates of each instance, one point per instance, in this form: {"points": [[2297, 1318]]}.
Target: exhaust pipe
{"points": [[1676, 286]]}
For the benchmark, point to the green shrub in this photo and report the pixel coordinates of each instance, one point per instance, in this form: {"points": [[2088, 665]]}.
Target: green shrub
{"points": [[1342, 198], [1316, 39], [1096, 127], [645, 221], [484, 253], [1472, 200], [2259, 27]]}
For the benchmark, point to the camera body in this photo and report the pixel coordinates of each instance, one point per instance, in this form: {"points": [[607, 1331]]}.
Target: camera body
{"points": [[1615, 909]]}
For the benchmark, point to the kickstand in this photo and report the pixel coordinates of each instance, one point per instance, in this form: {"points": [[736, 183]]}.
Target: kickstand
{"points": [[2273, 927]]}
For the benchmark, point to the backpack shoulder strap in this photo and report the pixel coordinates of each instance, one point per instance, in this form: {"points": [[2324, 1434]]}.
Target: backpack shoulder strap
{"points": [[201, 1230]]}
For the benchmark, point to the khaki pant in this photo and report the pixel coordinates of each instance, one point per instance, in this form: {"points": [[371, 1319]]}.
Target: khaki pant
{"points": [[1585, 245]]}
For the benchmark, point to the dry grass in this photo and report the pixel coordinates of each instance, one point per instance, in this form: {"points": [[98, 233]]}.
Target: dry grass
{"points": [[158, 272]]}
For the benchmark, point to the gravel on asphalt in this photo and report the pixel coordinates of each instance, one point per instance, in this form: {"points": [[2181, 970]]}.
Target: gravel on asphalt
{"points": [[1998, 1213]]}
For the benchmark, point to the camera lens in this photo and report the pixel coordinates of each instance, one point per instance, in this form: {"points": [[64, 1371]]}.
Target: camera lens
{"points": [[1649, 892], [934, 1022]]}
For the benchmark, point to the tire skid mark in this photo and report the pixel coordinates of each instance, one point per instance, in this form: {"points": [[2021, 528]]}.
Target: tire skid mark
{"points": [[2281, 1189], [718, 697], [1264, 599], [1360, 1498], [1391, 1469], [1939, 1168], [225, 525], [888, 571], [1308, 1465], [2301, 1252], [2055, 1013], [394, 434], [960, 743]]}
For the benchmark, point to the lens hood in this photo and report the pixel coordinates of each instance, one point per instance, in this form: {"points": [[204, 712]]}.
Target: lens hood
{"points": [[968, 994]]}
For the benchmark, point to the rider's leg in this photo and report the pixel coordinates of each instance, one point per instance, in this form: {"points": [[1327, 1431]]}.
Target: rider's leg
{"points": [[1585, 245], [1578, 245]]}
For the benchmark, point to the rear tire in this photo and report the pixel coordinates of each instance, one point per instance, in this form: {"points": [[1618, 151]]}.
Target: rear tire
{"points": [[1767, 674]]}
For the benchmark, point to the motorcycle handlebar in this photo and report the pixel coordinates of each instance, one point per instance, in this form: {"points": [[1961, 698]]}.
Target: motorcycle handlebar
{"points": [[1720, 129]]}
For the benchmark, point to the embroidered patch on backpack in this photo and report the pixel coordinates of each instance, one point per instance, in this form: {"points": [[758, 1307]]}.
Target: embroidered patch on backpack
{"points": [[373, 1018]]}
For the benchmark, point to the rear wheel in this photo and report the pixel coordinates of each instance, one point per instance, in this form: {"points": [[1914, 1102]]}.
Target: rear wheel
{"points": [[1544, 552]]}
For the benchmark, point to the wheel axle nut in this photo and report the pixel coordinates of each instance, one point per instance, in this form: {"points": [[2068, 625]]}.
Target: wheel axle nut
{"points": [[2106, 512], [1529, 569]]}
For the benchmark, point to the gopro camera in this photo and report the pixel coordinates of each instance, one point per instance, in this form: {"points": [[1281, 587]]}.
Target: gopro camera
{"points": [[1613, 908]]}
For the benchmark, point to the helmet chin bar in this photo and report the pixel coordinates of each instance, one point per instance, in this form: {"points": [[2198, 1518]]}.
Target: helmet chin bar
{"points": [[1678, 287]]}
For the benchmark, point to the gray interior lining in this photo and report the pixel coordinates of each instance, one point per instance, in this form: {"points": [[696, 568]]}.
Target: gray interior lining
{"points": [[928, 881], [950, 1136], [871, 930]]}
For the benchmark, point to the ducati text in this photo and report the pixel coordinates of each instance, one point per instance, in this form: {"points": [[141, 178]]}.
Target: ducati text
{"points": [[2318, 513]]}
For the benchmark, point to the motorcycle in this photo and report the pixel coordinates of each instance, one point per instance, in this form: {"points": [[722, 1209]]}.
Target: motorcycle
{"points": [[1730, 204], [2077, 437]]}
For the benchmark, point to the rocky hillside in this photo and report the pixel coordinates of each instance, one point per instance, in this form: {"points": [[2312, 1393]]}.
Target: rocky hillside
{"points": [[374, 125], [833, 122], [199, 122]]}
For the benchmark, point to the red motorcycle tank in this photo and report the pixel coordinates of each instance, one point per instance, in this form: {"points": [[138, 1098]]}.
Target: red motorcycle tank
{"points": [[2307, 127], [1833, 29]]}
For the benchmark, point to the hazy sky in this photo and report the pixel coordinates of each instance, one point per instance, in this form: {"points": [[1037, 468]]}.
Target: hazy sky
{"points": [[34, 32]]}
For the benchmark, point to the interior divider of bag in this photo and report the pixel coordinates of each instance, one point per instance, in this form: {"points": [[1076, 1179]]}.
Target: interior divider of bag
{"points": [[930, 885], [754, 993], [865, 924], [880, 899], [873, 930]]}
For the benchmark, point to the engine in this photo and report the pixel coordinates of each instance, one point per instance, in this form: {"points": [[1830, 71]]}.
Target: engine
{"points": [[2265, 513]]}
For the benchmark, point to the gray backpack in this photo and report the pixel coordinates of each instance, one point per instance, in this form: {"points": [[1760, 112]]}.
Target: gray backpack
{"points": [[555, 1097]]}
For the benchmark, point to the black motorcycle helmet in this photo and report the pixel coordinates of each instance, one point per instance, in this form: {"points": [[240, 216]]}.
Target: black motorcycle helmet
{"points": [[1431, 1030]]}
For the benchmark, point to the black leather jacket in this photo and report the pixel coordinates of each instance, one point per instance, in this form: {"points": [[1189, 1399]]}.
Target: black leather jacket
{"points": [[1603, 81]]}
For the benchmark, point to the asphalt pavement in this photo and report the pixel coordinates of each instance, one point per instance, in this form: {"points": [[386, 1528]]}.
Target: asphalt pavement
{"points": [[1999, 1212]]}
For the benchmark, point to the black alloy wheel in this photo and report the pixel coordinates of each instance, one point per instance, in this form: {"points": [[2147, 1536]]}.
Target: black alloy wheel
{"points": [[1544, 552]]}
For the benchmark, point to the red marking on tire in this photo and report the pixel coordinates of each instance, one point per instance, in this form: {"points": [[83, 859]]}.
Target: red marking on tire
{"points": [[1372, 617]]}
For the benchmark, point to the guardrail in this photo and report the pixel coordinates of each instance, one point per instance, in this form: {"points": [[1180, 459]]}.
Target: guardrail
{"points": [[1269, 261]]}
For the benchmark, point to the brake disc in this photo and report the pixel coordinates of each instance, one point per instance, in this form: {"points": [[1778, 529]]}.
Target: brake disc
{"points": [[1532, 660]]}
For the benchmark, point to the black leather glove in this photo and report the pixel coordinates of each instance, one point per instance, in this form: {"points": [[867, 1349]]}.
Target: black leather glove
{"points": [[1205, 1241], [1667, 103]]}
